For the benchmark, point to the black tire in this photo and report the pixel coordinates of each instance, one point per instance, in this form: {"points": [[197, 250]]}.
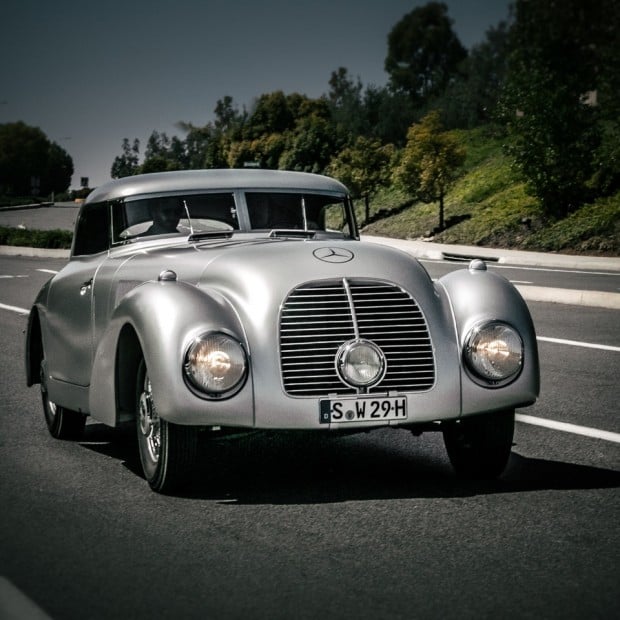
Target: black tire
{"points": [[167, 451], [479, 446], [62, 423]]}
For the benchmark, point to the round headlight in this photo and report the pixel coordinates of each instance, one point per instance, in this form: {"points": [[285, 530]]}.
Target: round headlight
{"points": [[215, 363], [494, 351], [361, 363]]}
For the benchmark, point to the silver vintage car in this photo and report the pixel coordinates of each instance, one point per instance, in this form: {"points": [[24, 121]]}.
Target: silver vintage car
{"points": [[219, 300]]}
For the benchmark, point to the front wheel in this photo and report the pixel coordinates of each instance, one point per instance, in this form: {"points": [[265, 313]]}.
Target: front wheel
{"points": [[167, 451], [62, 423], [479, 446]]}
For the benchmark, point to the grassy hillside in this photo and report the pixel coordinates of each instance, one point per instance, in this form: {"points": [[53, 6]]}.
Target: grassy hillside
{"points": [[489, 206]]}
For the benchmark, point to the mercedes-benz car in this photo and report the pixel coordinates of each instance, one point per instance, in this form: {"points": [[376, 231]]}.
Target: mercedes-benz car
{"points": [[215, 301]]}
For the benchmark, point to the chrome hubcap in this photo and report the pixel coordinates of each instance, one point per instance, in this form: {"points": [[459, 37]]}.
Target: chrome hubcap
{"points": [[149, 422], [50, 406]]}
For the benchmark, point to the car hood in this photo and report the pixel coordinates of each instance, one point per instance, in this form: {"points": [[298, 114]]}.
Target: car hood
{"points": [[261, 274], [257, 275]]}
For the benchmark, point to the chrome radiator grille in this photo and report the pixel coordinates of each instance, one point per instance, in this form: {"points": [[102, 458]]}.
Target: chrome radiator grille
{"points": [[317, 318]]}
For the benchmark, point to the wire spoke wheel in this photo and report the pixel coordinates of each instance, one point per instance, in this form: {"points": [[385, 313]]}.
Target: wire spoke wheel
{"points": [[167, 451], [62, 423]]}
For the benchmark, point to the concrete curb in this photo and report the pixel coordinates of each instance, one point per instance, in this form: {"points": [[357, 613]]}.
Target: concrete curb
{"points": [[36, 205], [19, 250]]}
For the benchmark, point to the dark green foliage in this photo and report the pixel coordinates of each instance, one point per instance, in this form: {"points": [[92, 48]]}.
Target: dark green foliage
{"points": [[126, 164], [550, 102], [55, 239], [423, 52], [470, 99], [31, 165], [430, 161], [364, 167]]}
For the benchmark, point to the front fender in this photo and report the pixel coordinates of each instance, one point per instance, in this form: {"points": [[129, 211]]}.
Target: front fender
{"points": [[165, 318], [476, 295]]}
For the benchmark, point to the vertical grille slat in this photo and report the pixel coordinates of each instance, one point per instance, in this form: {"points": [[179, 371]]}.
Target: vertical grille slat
{"points": [[317, 318]]}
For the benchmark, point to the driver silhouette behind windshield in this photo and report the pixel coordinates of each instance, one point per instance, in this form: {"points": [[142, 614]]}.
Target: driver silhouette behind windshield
{"points": [[166, 213]]}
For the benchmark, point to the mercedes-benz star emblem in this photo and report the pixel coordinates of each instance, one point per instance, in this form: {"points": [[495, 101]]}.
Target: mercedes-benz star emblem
{"points": [[333, 255]]}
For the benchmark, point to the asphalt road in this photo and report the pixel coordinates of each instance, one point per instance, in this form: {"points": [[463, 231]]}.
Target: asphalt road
{"points": [[287, 526]]}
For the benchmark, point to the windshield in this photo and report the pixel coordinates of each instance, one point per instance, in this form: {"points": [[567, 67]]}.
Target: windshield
{"points": [[298, 211], [180, 215], [196, 215]]}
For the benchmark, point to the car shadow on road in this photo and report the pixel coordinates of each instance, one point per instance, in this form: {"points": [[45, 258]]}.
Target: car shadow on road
{"points": [[300, 468]]}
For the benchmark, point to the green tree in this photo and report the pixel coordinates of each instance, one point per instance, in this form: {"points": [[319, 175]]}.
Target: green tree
{"points": [[208, 146], [30, 163], [430, 161], [227, 117], [126, 164], [271, 113], [58, 170], [388, 114], [263, 152], [204, 146], [423, 52], [345, 103], [556, 68], [364, 167], [163, 154], [471, 98]]}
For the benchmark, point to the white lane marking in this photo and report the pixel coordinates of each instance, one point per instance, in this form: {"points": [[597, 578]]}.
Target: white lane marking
{"points": [[520, 282], [14, 309], [575, 343], [15, 604], [586, 431], [10, 277], [47, 271]]}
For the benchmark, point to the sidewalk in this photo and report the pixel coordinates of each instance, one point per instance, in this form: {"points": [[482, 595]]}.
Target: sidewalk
{"points": [[439, 251]]}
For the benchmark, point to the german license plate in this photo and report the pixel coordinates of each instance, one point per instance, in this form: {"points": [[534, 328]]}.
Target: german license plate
{"points": [[363, 410]]}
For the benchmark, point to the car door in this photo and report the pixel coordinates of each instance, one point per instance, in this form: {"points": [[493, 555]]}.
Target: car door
{"points": [[69, 334]]}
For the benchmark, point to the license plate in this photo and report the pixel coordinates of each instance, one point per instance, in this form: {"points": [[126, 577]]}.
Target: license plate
{"points": [[363, 410]]}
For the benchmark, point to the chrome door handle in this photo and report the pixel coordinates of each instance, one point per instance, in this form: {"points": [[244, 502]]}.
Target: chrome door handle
{"points": [[86, 287]]}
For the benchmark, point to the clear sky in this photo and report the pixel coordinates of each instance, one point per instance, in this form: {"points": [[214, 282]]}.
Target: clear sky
{"points": [[89, 74]]}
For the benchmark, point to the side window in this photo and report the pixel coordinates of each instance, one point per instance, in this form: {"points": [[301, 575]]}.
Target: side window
{"points": [[333, 218], [92, 230]]}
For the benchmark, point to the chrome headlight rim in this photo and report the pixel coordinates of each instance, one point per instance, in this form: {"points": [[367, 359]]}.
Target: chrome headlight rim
{"points": [[478, 369], [213, 391], [346, 350]]}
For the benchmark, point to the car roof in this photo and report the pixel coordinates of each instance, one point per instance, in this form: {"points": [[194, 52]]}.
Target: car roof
{"points": [[224, 179]]}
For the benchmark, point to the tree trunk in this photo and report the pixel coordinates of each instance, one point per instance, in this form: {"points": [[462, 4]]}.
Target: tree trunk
{"points": [[441, 220], [367, 204]]}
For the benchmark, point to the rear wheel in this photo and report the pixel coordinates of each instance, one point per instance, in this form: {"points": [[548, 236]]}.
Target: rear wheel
{"points": [[479, 446], [62, 423], [167, 451]]}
